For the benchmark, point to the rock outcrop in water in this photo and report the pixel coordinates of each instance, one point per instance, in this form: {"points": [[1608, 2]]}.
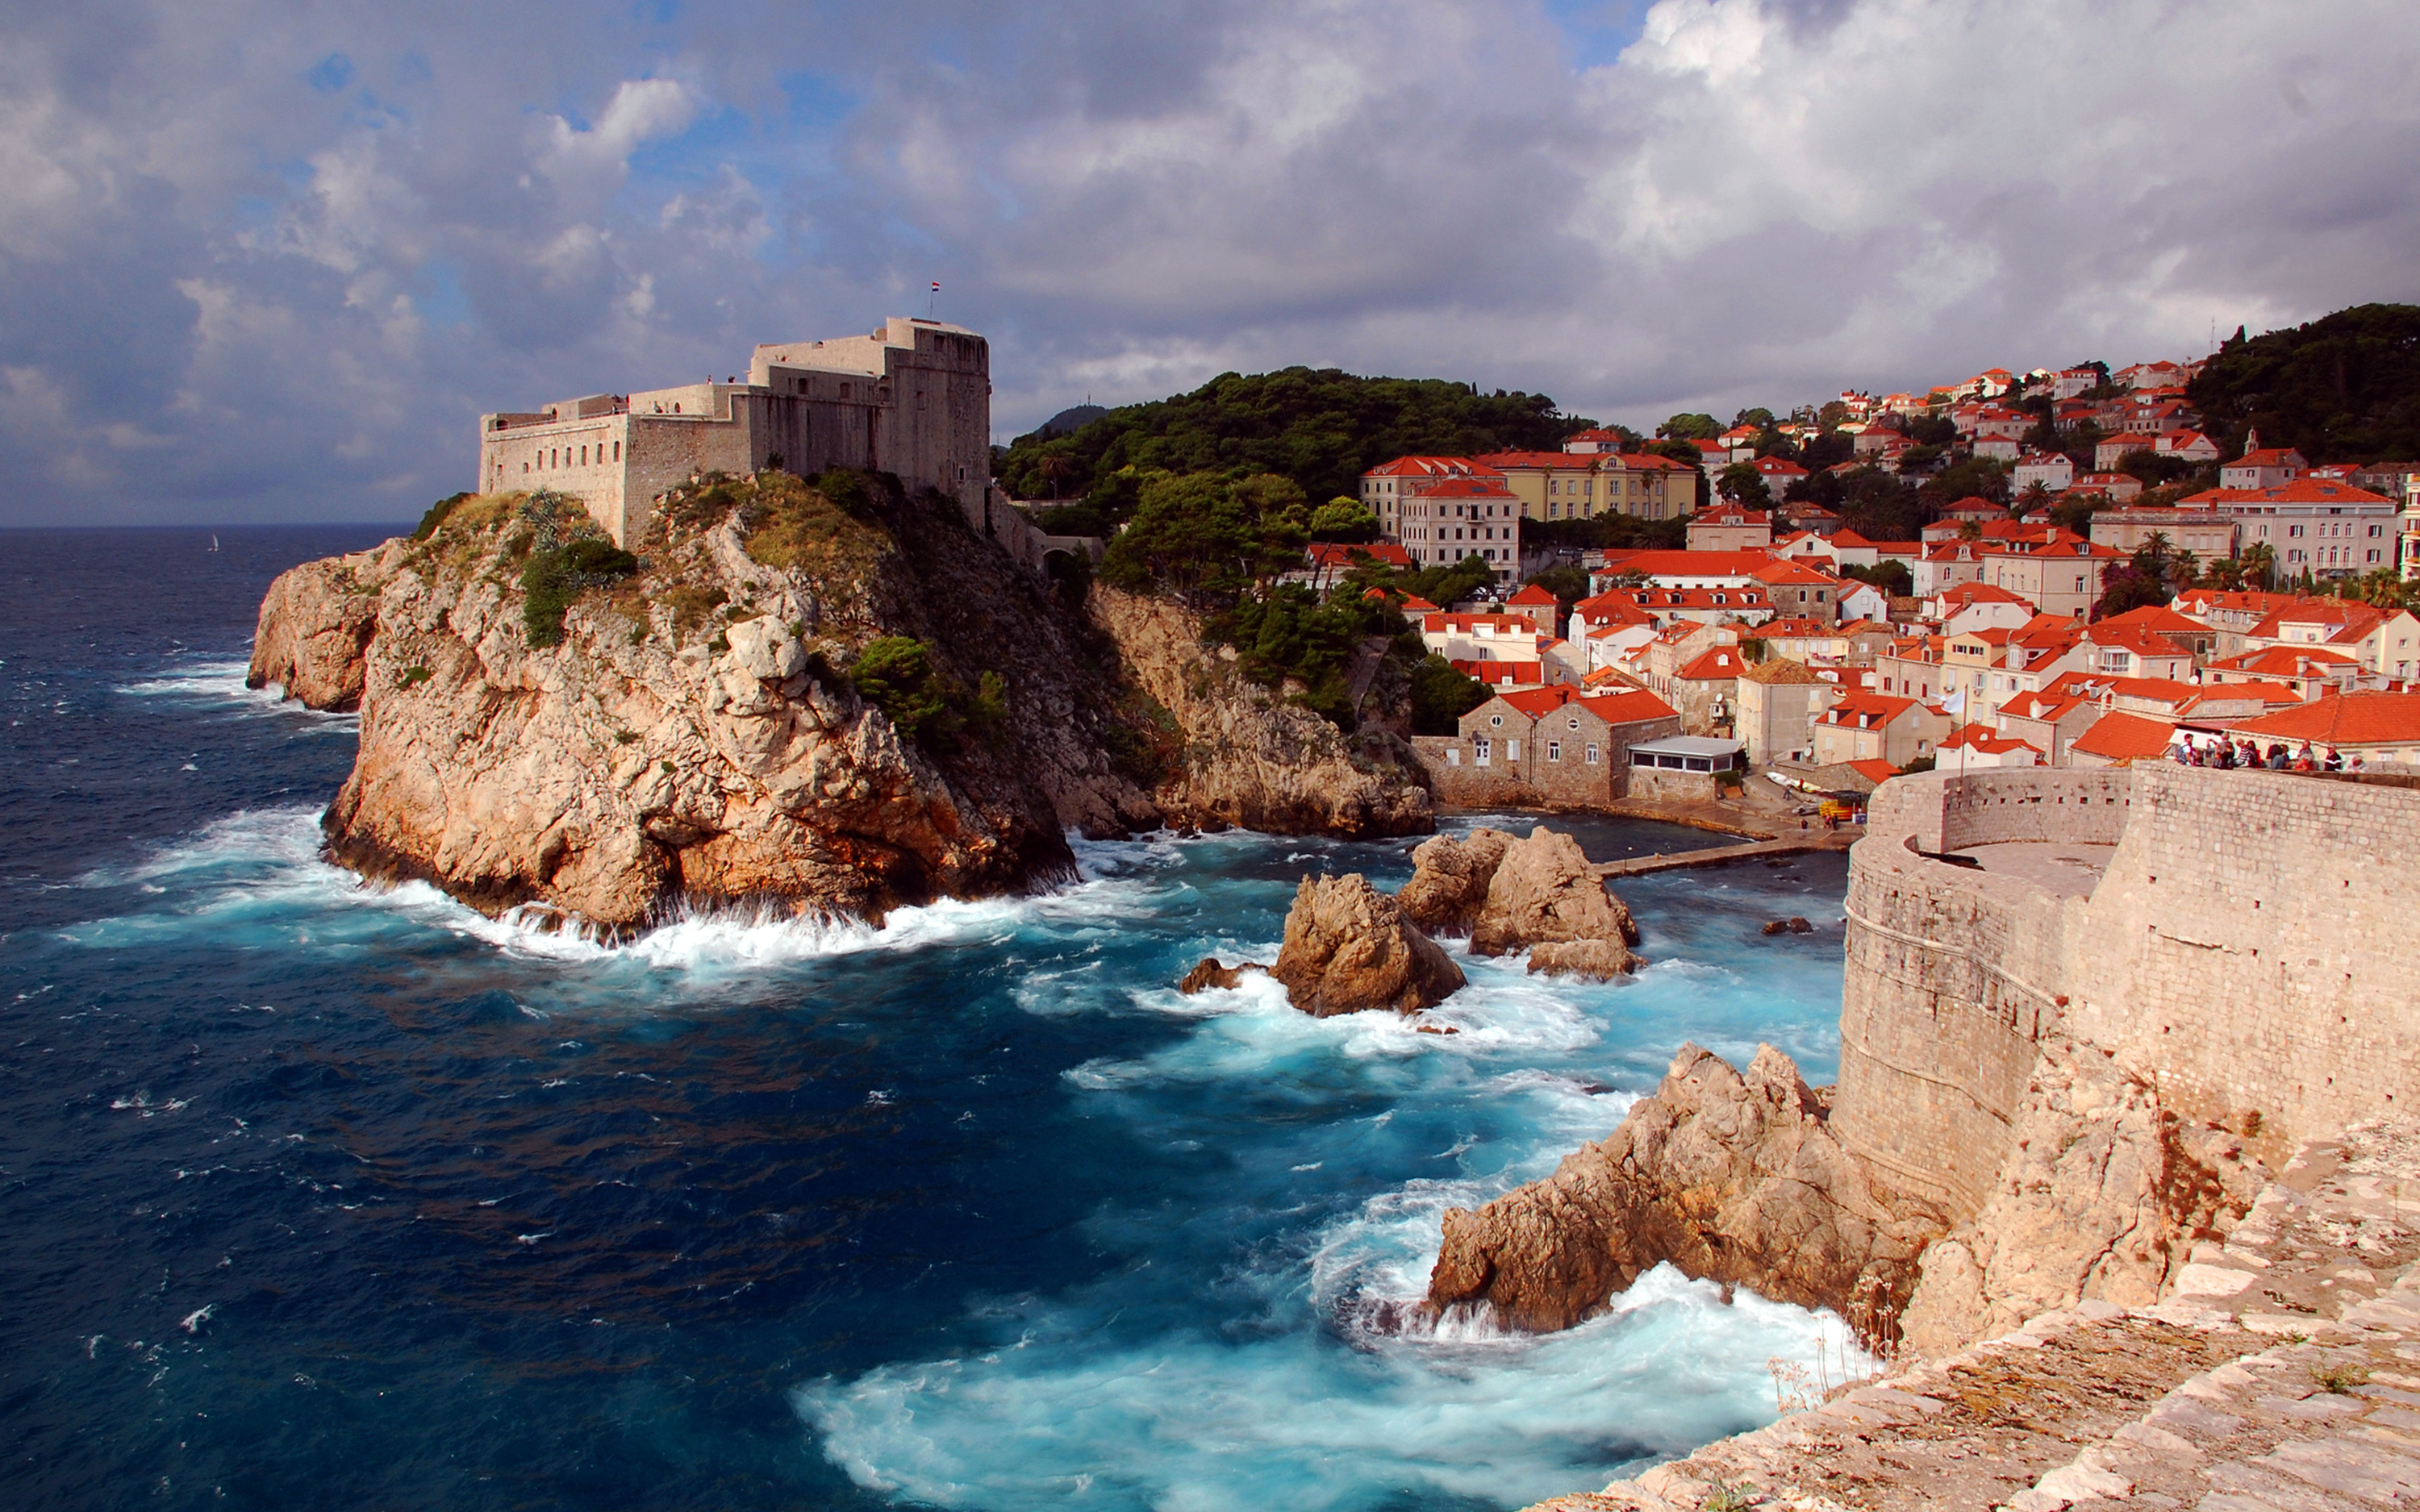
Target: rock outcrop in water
{"points": [[1209, 973], [695, 735], [1348, 947], [1544, 890], [1509, 894], [1735, 1179], [1450, 880]]}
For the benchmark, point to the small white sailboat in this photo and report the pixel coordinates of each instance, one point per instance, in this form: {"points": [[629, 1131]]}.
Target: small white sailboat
{"points": [[215, 543]]}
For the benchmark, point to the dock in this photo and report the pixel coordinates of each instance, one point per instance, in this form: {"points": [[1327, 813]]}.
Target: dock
{"points": [[1839, 840]]}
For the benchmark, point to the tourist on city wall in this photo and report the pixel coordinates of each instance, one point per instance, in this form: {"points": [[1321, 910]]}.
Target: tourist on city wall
{"points": [[2335, 762]]}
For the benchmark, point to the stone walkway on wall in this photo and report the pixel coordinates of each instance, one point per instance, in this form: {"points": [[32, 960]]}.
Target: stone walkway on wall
{"points": [[2282, 1375]]}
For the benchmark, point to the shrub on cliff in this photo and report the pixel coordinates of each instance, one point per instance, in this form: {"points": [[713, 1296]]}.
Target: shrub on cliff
{"points": [[550, 581], [895, 674], [436, 515], [815, 528]]}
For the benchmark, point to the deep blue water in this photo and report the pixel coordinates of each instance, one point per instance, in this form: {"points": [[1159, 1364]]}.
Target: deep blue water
{"points": [[315, 1195]]}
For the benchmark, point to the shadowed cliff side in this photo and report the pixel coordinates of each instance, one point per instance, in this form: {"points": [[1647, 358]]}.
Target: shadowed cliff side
{"points": [[1731, 1178], [835, 702]]}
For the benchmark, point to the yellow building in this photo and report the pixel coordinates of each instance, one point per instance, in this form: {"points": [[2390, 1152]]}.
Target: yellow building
{"points": [[1583, 485]]}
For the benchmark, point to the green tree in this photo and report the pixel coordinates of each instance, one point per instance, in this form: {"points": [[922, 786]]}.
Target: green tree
{"points": [[1892, 577], [895, 674], [1760, 418], [1441, 695], [1689, 427], [1344, 519], [2344, 387], [1742, 483]]}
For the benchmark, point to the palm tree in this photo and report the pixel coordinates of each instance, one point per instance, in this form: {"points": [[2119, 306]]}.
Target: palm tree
{"points": [[2260, 561]]}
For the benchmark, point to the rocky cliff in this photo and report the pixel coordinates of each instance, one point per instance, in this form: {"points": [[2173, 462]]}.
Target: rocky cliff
{"points": [[1733, 1178], [1237, 755], [545, 722]]}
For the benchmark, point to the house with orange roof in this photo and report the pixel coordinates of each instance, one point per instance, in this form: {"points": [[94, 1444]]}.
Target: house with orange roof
{"points": [[2116, 648], [2062, 577], [2264, 467], [1977, 606], [2186, 444], [2052, 469], [1328, 561], [1467, 640], [1729, 527], [2382, 727], [1538, 607], [1680, 569], [2111, 449], [2050, 722], [2311, 671], [2385, 642], [1546, 747], [2119, 739], [1444, 509], [1864, 726], [1979, 748], [2190, 634], [2328, 529], [1551, 485], [1778, 473], [2117, 487]]}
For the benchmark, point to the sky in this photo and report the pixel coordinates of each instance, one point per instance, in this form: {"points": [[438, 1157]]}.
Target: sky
{"points": [[269, 261]]}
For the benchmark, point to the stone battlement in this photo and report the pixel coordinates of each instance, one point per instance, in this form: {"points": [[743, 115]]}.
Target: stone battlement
{"points": [[2244, 948]]}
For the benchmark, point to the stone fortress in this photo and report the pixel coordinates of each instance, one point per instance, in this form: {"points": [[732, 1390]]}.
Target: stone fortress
{"points": [[913, 398], [2241, 942]]}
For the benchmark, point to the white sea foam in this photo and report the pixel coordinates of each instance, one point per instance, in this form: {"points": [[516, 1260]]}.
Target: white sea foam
{"points": [[221, 681], [1206, 1423]]}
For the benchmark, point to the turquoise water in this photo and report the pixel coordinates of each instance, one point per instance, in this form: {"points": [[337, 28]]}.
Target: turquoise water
{"points": [[321, 1195]]}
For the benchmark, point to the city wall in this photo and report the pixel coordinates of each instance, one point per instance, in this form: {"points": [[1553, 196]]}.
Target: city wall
{"points": [[2245, 952]]}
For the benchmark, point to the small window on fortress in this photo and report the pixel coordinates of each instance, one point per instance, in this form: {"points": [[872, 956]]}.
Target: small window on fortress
{"points": [[583, 456], [618, 451]]}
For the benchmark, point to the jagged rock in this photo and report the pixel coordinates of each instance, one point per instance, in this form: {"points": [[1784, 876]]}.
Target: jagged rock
{"points": [[1732, 1179], [2101, 1197], [1207, 973], [1788, 926], [1247, 758], [315, 622], [1800, 926], [1349, 948], [1450, 880], [1544, 890], [1602, 960]]}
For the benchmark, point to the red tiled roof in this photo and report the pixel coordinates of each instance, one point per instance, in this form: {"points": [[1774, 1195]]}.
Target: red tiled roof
{"points": [[1469, 488], [1721, 663], [2299, 491], [1630, 706], [2345, 719], [1341, 554], [1533, 596], [1984, 738], [2124, 737]]}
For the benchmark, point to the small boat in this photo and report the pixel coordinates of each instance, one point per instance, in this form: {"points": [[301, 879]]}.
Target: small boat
{"points": [[215, 543]]}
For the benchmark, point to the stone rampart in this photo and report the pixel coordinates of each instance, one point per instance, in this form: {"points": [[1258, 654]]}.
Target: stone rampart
{"points": [[2247, 950]]}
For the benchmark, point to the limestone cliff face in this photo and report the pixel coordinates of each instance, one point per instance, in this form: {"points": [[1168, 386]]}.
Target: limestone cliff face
{"points": [[1735, 1179], [695, 737], [2100, 1199], [1242, 757]]}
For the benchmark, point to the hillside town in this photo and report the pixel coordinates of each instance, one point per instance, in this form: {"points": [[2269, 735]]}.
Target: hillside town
{"points": [[2138, 596]]}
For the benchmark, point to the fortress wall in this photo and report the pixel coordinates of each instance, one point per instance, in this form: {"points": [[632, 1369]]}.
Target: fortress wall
{"points": [[2254, 948], [2248, 949], [1953, 976]]}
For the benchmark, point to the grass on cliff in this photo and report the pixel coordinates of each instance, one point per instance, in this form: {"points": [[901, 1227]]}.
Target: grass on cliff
{"points": [[818, 529]]}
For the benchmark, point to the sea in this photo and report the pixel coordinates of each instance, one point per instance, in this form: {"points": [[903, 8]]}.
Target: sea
{"points": [[315, 1194]]}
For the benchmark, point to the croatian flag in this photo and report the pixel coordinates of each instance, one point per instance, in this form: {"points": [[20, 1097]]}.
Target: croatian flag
{"points": [[936, 287]]}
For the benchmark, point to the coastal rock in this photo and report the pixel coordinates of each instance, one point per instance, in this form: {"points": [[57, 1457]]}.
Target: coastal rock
{"points": [[1732, 1179], [1599, 960], [1788, 926], [314, 624], [1348, 947], [681, 743], [1544, 890], [1450, 880], [1207, 973], [1243, 758], [2101, 1197]]}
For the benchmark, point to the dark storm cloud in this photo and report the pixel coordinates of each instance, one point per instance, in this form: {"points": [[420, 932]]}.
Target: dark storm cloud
{"points": [[259, 261]]}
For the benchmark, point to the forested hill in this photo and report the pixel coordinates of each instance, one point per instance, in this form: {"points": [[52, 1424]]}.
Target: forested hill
{"points": [[2344, 387], [1321, 428]]}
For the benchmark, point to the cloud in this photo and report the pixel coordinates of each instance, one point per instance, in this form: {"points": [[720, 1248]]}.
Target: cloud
{"points": [[262, 263]]}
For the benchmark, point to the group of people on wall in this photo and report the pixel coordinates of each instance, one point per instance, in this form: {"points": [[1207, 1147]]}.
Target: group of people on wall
{"points": [[2232, 754]]}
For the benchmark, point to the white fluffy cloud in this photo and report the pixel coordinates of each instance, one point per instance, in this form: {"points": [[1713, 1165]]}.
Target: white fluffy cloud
{"points": [[277, 276]]}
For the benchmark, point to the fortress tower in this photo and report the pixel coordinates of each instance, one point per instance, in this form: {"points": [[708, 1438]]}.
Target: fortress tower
{"points": [[913, 398]]}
